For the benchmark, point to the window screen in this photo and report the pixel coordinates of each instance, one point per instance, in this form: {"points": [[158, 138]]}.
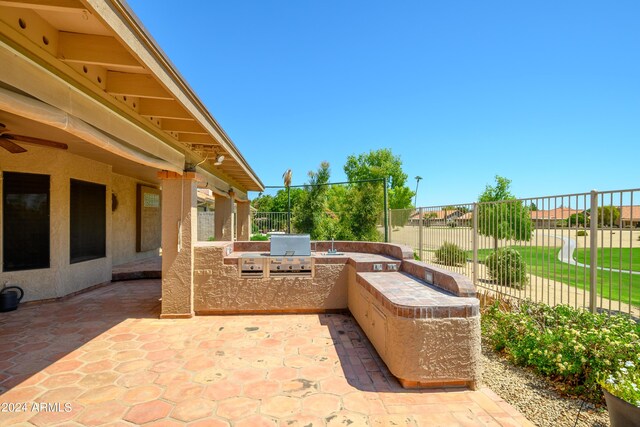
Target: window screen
{"points": [[88, 221], [25, 230]]}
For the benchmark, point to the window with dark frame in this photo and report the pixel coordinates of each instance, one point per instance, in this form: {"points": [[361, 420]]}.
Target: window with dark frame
{"points": [[88, 221], [25, 221]]}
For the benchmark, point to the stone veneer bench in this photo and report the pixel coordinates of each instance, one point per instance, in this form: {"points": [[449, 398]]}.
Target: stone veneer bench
{"points": [[423, 320]]}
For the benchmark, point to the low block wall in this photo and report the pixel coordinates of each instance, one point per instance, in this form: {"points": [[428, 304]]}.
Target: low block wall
{"points": [[426, 345]]}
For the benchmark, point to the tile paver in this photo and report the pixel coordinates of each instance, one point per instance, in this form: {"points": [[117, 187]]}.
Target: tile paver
{"points": [[107, 354]]}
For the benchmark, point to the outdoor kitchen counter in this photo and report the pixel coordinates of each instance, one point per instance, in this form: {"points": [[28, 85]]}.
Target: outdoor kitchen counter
{"points": [[405, 296], [423, 320], [427, 336]]}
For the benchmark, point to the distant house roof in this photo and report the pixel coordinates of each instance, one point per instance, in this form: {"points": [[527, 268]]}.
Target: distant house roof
{"points": [[627, 213], [558, 213], [441, 214], [468, 215]]}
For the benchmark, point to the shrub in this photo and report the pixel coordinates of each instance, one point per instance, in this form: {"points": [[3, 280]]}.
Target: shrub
{"points": [[260, 237], [581, 233], [416, 256], [506, 267], [450, 254], [574, 347]]}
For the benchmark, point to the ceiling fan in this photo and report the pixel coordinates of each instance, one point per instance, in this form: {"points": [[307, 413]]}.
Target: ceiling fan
{"points": [[7, 139]]}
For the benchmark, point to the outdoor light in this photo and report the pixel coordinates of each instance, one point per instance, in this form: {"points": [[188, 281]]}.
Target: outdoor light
{"points": [[219, 160]]}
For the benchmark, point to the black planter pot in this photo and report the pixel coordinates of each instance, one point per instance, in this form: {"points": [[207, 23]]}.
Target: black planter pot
{"points": [[9, 298], [621, 413]]}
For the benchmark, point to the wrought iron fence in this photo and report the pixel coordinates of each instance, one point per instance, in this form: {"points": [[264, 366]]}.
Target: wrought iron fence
{"points": [[579, 249], [269, 222]]}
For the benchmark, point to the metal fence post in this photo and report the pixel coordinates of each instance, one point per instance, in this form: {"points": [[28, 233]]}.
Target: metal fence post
{"points": [[420, 229], [475, 244], [593, 252], [385, 202]]}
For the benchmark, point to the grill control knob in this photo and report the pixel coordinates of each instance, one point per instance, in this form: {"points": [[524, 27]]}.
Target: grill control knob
{"points": [[278, 267], [290, 267], [252, 267]]}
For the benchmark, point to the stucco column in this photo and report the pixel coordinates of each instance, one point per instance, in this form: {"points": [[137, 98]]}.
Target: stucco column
{"points": [[223, 218], [179, 233], [243, 220]]}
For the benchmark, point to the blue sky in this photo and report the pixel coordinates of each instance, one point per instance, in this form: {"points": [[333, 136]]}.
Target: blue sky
{"points": [[546, 93]]}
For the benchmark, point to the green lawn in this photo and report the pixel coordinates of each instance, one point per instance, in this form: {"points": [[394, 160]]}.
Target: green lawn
{"points": [[612, 257], [543, 262]]}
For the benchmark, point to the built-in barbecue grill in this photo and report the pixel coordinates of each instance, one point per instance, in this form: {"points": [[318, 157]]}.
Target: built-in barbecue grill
{"points": [[252, 265], [290, 254]]}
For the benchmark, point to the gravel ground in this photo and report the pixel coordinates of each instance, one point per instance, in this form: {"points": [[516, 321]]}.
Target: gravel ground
{"points": [[535, 396]]}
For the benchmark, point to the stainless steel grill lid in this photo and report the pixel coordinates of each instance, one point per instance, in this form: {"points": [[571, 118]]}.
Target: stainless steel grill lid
{"points": [[290, 245]]}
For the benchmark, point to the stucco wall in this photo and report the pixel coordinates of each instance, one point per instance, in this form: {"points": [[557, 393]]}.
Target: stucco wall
{"points": [[218, 287], [432, 350], [123, 236], [435, 351], [63, 278]]}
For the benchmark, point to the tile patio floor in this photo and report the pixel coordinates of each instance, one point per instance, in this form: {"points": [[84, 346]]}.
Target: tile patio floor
{"points": [[107, 354]]}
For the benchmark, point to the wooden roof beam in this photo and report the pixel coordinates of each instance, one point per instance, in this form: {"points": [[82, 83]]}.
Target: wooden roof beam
{"points": [[53, 5], [95, 50], [138, 85], [162, 109], [182, 126], [193, 138]]}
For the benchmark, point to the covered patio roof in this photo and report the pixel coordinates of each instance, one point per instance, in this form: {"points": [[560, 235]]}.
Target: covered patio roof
{"points": [[94, 61]]}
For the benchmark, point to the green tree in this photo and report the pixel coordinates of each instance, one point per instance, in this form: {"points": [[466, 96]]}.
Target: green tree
{"points": [[581, 219], [338, 199], [501, 216], [263, 202], [278, 202], [608, 215], [310, 214], [365, 210], [382, 164]]}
